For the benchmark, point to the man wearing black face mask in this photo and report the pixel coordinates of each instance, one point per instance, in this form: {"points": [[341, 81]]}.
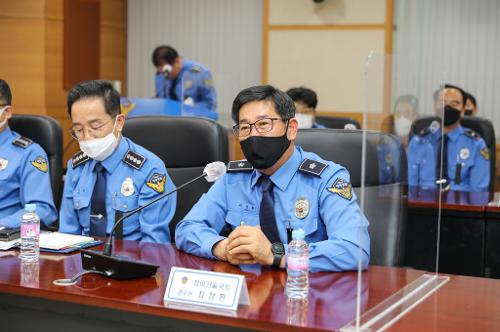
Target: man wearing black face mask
{"points": [[248, 214], [465, 163]]}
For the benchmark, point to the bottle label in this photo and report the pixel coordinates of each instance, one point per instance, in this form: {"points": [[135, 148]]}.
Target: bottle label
{"points": [[30, 230], [298, 263]]}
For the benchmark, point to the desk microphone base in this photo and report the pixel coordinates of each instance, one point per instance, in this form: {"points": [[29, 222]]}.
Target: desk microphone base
{"points": [[116, 267]]}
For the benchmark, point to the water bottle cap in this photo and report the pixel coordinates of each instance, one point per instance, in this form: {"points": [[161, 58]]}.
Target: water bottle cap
{"points": [[298, 234], [30, 207]]}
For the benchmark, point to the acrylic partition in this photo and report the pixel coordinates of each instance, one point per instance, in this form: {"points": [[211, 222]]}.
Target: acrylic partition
{"points": [[395, 157]]}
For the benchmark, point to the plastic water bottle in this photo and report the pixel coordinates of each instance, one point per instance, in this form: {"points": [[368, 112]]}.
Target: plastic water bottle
{"points": [[30, 234], [297, 283]]}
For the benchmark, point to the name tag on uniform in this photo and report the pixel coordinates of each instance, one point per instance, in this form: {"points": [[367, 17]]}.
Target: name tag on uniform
{"points": [[205, 289]]}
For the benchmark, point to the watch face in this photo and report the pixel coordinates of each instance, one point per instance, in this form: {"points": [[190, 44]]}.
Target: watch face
{"points": [[278, 248]]}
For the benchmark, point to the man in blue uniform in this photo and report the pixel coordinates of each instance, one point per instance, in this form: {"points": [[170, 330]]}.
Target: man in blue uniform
{"points": [[183, 80], [111, 174], [465, 165], [24, 171], [305, 107], [278, 188]]}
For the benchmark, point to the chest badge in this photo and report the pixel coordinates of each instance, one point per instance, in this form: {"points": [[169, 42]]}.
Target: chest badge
{"points": [[301, 208], [3, 164], [127, 188], [388, 158], [464, 153]]}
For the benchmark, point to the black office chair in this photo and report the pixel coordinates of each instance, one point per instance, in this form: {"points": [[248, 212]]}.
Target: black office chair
{"points": [[482, 126], [47, 132], [338, 122], [385, 200], [186, 145]]}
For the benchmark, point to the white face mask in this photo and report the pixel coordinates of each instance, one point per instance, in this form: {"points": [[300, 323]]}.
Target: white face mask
{"points": [[402, 126], [100, 148], [1, 113], [304, 120]]}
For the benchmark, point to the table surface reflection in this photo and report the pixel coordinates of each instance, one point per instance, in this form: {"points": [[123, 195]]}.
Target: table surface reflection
{"points": [[464, 303], [451, 200]]}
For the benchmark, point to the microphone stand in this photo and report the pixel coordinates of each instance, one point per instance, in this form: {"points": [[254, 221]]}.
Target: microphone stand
{"points": [[119, 267]]}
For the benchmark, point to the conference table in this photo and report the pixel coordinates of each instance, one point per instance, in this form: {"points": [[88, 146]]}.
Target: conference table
{"points": [[30, 300], [469, 232]]}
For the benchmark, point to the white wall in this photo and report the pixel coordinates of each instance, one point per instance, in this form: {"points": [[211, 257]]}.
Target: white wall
{"points": [[452, 41], [224, 35]]}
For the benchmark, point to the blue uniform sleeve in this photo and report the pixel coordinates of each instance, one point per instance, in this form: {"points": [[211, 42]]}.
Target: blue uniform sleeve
{"points": [[68, 218], [199, 231], [412, 163], [480, 172], [208, 97], [159, 85], [35, 187], [155, 219], [344, 221]]}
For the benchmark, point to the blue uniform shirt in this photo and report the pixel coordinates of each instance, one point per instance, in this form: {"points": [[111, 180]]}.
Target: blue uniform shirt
{"points": [[466, 150], [309, 193], [317, 125], [198, 85], [24, 178], [134, 176], [389, 160]]}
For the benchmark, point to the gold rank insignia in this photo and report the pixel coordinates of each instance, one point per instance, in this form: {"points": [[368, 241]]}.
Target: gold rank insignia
{"points": [[485, 153], [188, 84], [40, 163], [342, 188], [157, 182]]}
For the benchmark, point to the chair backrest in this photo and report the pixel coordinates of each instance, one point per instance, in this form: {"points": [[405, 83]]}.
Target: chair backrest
{"points": [[385, 198], [482, 126], [186, 145], [47, 132], [338, 122]]}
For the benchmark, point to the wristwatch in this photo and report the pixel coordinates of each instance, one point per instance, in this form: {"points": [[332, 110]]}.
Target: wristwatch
{"points": [[278, 250]]}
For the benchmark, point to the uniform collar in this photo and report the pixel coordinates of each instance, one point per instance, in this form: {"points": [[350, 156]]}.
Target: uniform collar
{"points": [[282, 177], [455, 133], [5, 135], [116, 157]]}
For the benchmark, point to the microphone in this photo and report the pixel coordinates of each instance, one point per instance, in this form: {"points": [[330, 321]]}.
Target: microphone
{"points": [[119, 267], [167, 69]]}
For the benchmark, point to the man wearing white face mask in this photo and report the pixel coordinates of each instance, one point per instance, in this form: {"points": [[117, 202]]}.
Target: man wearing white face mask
{"points": [[405, 112], [24, 171], [305, 107], [111, 174]]}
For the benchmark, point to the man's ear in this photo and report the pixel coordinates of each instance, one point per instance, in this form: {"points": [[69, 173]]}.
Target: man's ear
{"points": [[293, 126]]}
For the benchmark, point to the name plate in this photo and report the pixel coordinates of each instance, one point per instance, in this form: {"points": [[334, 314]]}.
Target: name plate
{"points": [[206, 289]]}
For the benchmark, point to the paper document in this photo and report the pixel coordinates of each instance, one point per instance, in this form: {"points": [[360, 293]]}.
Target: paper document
{"points": [[57, 241]]}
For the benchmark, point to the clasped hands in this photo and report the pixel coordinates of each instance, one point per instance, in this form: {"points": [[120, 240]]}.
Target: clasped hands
{"points": [[245, 245]]}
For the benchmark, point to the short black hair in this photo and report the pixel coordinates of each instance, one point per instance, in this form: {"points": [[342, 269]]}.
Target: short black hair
{"points": [[93, 89], [469, 96], [450, 86], [304, 95], [283, 104], [163, 54], [5, 93]]}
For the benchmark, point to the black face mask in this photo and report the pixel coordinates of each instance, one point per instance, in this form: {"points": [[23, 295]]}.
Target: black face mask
{"points": [[451, 115], [468, 112], [263, 152]]}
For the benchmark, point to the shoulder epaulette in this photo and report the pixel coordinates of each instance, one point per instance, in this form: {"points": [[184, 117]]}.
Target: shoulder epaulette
{"points": [[133, 159], [195, 69], [472, 134], [424, 131], [79, 158], [311, 166], [22, 142], [239, 166]]}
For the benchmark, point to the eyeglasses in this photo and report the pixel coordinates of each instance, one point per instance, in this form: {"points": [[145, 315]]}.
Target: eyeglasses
{"points": [[93, 131], [262, 126]]}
